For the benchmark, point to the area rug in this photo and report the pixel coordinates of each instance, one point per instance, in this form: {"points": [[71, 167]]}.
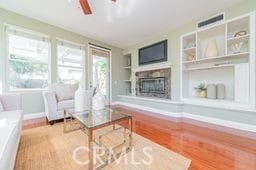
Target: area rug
{"points": [[48, 148]]}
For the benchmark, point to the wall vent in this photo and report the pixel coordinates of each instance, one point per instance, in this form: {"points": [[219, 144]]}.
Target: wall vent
{"points": [[211, 21]]}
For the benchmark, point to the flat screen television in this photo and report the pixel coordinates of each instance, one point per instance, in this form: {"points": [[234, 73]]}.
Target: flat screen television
{"points": [[154, 53]]}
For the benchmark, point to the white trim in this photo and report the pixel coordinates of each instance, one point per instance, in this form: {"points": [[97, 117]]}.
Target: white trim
{"points": [[34, 116], [26, 30], [210, 120], [69, 43], [89, 77], [220, 122], [7, 65]]}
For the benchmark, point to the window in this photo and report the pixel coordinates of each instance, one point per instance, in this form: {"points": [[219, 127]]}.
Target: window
{"points": [[27, 61], [70, 63]]}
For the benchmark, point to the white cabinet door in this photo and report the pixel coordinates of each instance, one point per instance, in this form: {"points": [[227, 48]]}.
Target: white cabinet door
{"points": [[242, 83]]}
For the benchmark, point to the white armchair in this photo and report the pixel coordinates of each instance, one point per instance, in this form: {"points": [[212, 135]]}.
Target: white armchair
{"points": [[59, 98]]}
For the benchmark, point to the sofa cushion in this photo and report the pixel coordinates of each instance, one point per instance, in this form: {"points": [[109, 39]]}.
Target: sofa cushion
{"points": [[64, 91], [11, 117], [66, 104]]}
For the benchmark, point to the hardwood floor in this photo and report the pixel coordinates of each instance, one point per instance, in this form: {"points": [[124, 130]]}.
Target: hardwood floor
{"points": [[207, 148]]}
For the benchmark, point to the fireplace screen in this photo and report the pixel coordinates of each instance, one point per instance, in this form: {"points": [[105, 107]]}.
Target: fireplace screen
{"points": [[152, 85]]}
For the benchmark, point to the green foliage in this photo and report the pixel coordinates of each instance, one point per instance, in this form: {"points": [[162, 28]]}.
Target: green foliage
{"points": [[22, 65], [201, 87], [103, 66]]}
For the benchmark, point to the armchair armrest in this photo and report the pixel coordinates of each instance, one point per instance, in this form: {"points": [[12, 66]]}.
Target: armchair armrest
{"points": [[50, 103], [11, 101]]}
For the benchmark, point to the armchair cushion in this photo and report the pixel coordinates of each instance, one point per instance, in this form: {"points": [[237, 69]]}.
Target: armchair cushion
{"points": [[11, 101], [66, 104], [64, 91], [11, 117]]}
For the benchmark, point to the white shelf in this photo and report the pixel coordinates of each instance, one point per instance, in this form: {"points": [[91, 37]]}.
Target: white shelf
{"points": [[207, 70], [240, 38], [189, 49], [210, 67], [244, 54], [127, 67], [217, 103], [153, 99]]}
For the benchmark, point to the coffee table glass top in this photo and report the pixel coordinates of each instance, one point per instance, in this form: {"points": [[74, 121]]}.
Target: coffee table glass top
{"points": [[94, 118]]}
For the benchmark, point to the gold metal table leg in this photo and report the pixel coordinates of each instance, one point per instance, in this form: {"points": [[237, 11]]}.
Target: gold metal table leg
{"points": [[90, 143], [65, 122]]}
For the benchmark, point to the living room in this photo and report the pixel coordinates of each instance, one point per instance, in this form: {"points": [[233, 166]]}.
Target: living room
{"points": [[116, 84]]}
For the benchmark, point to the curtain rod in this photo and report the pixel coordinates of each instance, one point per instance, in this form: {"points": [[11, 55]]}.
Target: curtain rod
{"points": [[99, 46]]}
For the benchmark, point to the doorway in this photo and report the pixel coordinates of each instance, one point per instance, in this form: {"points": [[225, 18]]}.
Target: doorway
{"points": [[99, 72]]}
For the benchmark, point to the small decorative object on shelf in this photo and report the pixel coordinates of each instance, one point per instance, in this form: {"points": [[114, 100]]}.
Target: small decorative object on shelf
{"points": [[191, 57], [236, 47], [201, 90], [212, 49], [211, 91], [220, 91], [240, 33]]}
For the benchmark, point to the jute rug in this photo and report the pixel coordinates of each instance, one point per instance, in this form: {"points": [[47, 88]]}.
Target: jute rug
{"points": [[48, 148]]}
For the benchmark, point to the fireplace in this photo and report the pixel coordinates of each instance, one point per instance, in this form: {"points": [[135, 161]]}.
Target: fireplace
{"points": [[154, 83]]}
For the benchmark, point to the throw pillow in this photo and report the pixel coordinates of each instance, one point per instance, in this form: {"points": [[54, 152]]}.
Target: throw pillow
{"points": [[65, 91]]}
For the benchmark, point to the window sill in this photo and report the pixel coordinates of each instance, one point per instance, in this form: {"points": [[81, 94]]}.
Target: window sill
{"points": [[26, 90]]}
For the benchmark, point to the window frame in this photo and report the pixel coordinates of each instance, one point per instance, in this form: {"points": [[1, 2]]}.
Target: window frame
{"points": [[7, 58], [70, 44]]}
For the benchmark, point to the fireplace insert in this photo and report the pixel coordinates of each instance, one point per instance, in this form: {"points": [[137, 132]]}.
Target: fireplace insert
{"points": [[152, 85]]}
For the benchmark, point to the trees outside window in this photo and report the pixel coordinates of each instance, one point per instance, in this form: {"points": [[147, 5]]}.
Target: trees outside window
{"points": [[70, 63], [27, 62]]}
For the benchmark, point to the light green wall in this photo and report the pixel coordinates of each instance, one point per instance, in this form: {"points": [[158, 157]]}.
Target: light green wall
{"points": [[32, 102], [173, 37]]}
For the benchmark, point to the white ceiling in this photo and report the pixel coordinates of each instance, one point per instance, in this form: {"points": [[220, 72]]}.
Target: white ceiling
{"points": [[121, 24]]}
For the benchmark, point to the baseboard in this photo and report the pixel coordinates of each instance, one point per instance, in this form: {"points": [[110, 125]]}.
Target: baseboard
{"points": [[33, 116], [236, 128]]}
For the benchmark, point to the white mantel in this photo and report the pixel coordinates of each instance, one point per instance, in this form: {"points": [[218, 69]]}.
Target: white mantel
{"points": [[150, 67]]}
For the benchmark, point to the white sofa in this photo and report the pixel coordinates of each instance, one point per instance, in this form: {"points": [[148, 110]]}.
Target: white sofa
{"points": [[57, 99], [10, 130]]}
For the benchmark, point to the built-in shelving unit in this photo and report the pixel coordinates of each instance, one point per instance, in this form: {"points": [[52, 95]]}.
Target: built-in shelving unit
{"points": [[127, 66], [232, 64]]}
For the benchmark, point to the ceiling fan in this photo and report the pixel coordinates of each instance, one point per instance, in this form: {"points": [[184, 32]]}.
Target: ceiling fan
{"points": [[86, 6]]}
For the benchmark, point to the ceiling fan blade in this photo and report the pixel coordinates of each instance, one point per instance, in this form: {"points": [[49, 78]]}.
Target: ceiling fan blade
{"points": [[86, 7]]}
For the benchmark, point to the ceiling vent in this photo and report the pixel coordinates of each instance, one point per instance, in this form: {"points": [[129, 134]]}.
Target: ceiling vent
{"points": [[211, 21]]}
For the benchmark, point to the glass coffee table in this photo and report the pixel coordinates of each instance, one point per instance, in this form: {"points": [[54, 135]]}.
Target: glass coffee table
{"points": [[91, 120]]}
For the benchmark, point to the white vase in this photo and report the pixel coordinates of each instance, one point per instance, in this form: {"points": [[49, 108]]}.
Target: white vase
{"points": [[83, 100], [98, 101], [211, 91], [212, 49], [220, 91]]}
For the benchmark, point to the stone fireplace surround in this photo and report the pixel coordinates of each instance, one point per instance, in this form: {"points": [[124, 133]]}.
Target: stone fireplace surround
{"points": [[156, 77]]}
